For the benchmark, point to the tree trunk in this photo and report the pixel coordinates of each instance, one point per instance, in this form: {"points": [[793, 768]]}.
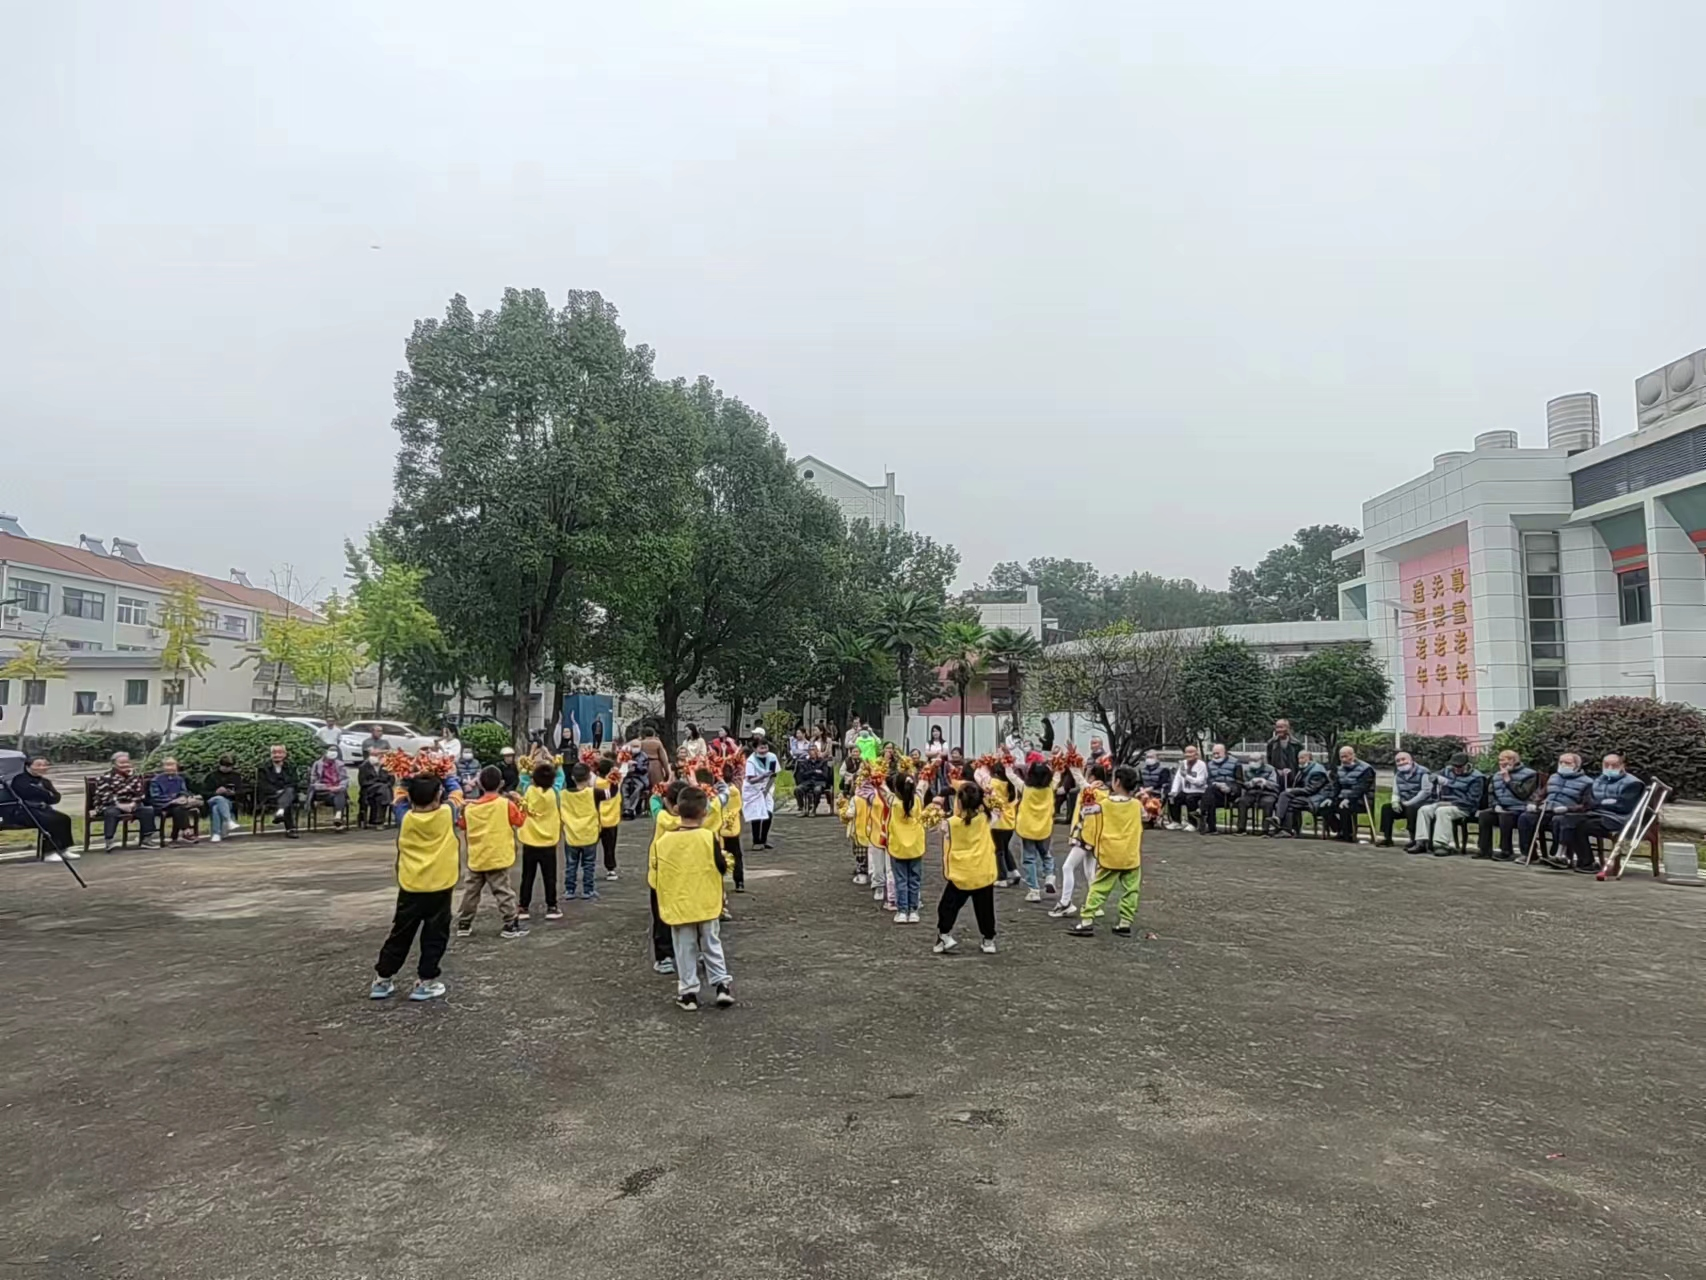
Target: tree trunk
{"points": [[671, 708], [328, 697], [737, 707], [379, 688], [461, 701], [962, 717], [277, 679], [905, 682], [559, 693], [521, 684]]}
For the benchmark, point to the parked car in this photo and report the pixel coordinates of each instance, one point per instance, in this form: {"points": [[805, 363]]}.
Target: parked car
{"points": [[398, 736], [189, 721]]}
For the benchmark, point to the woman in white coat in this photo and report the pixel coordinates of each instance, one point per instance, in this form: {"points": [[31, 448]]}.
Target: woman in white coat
{"points": [[758, 789]]}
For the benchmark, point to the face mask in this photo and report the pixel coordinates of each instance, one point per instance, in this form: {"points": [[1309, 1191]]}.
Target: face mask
{"points": [[1567, 771], [467, 755], [1614, 773], [331, 755], [1152, 760]]}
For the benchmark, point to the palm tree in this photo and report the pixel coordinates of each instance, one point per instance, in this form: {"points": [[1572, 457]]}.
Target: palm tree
{"points": [[1014, 650], [847, 657], [962, 652], [908, 622]]}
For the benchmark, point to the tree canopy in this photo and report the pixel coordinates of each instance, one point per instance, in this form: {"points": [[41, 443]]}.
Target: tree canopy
{"points": [[1298, 582], [1332, 691]]}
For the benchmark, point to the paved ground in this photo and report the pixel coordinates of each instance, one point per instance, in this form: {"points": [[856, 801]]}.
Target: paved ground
{"points": [[1328, 1063]]}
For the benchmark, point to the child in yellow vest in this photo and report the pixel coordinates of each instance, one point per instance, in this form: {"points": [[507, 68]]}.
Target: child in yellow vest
{"points": [[664, 820], [968, 871], [490, 823], [864, 800], [905, 845], [731, 828], [428, 863], [1081, 852], [610, 813], [689, 888], [1035, 827], [578, 802], [1119, 854], [541, 832], [999, 797]]}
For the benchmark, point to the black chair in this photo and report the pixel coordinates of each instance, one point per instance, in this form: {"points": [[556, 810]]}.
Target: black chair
{"points": [[263, 812]]}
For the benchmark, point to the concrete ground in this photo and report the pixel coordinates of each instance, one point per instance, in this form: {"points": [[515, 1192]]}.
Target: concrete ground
{"points": [[1328, 1062]]}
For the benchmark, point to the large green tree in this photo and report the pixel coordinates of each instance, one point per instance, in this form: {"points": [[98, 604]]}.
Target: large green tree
{"points": [[1298, 582], [1226, 689], [390, 618], [1015, 652], [540, 466], [961, 652], [1331, 692], [908, 623], [756, 552], [1129, 682]]}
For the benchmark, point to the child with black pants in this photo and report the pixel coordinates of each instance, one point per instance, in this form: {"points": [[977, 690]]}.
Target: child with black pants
{"points": [[968, 871], [428, 865], [541, 830], [664, 820], [610, 813]]}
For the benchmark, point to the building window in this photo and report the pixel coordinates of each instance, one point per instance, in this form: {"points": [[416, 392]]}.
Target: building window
{"points": [[32, 596], [85, 604], [35, 693], [83, 702], [1634, 598], [1545, 596], [136, 693], [132, 648], [89, 645], [171, 693], [132, 612], [5, 693], [234, 624]]}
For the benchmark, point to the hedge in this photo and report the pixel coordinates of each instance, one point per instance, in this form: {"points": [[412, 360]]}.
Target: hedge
{"points": [[487, 739], [84, 744], [1376, 748], [248, 741], [1656, 739]]}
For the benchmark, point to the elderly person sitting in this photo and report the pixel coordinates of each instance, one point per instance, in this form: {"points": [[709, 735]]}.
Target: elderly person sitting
{"points": [[1512, 787], [120, 793], [1457, 798], [811, 781], [28, 801], [1611, 798], [169, 794], [374, 782], [276, 786], [328, 784], [1412, 787], [1566, 792]]}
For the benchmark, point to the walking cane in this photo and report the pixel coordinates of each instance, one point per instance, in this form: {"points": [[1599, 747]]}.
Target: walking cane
{"points": [[1540, 816], [1373, 831]]}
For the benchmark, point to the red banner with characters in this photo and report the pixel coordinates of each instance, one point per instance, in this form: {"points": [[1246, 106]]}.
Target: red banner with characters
{"points": [[1437, 635]]}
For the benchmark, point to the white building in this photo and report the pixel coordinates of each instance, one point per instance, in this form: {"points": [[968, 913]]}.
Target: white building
{"points": [[96, 609], [881, 505]]}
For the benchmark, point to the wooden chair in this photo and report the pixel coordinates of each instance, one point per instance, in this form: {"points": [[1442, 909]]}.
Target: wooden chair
{"points": [[92, 815]]}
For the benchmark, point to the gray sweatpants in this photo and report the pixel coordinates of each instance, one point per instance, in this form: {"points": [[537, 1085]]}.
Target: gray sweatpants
{"points": [[692, 943], [474, 883]]}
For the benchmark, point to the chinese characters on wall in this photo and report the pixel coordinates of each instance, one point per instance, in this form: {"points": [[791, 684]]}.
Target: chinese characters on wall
{"points": [[1438, 642]]}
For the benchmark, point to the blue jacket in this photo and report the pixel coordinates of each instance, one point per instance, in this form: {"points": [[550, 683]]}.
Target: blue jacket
{"points": [[1260, 776], [1355, 780], [163, 788], [1567, 791], [1513, 796], [1465, 790], [1314, 779], [1156, 777], [1224, 773], [1616, 797], [1413, 785]]}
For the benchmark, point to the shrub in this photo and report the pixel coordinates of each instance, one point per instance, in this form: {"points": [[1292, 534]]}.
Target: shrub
{"points": [[1530, 735], [1656, 739], [778, 725], [487, 739], [84, 745], [1376, 748], [248, 741]]}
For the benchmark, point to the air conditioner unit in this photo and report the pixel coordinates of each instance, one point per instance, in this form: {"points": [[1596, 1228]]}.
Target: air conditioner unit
{"points": [[153, 633], [8, 615], [104, 707]]}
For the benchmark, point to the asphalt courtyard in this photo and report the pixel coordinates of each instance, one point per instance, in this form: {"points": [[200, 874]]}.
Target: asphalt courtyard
{"points": [[1327, 1062]]}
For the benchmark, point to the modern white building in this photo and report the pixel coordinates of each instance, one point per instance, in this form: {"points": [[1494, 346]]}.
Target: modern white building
{"points": [[1508, 577], [96, 608], [879, 504]]}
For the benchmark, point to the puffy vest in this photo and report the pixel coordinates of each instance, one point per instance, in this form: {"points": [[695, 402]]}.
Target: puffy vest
{"points": [[1461, 789], [1154, 776], [1567, 791], [1504, 793], [1412, 784], [1314, 778], [1617, 796], [1223, 771], [1355, 780]]}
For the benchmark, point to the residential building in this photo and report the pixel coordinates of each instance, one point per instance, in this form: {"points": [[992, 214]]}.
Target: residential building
{"points": [[97, 608], [881, 505]]}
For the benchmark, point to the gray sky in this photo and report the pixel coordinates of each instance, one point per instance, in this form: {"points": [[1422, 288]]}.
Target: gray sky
{"points": [[1101, 280]]}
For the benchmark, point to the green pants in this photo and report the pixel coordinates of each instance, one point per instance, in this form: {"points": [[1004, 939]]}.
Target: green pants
{"points": [[1129, 883]]}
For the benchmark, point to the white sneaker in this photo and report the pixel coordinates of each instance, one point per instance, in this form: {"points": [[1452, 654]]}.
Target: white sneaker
{"points": [[944, 944], [912, 917], [71, 855], [900, 917], [53, 857], [1064, 909], [1034, 896], [1171, 826], [861, 879], [214, 839], [877, 894], [610, 875], [987, 946], [278, 816]]}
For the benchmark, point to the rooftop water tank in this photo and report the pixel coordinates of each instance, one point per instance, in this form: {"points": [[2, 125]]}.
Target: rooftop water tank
{"points": [[1440, 459], [1572, 422], [1495, 440]]}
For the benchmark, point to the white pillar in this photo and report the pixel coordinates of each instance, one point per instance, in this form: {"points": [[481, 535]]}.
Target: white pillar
{"points": [[1678, 582]]}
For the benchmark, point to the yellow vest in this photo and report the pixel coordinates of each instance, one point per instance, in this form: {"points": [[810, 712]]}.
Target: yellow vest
{"points": [[968, 861], [731, 815], [543, 825], [1121, 845], [1036, 813], [1000, 794], [580, 816], [684, 873], [865, 826], [610, 811], [906, 831], [663, 822], [713, 819], [491, 837], [427, 858]]}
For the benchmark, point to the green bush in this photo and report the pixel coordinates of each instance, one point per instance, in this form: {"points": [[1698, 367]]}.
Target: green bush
{"points": [[487, 739], [1531, 735], [778, 725], [1376, 748], [82, 745], [1656, 739], [248, 741]]}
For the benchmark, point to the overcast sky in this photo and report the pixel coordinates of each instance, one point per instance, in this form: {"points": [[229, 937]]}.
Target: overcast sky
{"points": [[1145, 284]]}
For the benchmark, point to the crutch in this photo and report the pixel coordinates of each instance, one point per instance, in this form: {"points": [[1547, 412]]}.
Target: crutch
{"points": [[1542, 815], [1634, 833]]}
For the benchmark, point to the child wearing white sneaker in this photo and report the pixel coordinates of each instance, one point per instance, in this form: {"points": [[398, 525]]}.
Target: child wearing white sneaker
{"points": [[689, 885], [864, 800], [1119, 854], [428, 865], [905, 845], [1035, 826], [1086, 831], [968, 871]]}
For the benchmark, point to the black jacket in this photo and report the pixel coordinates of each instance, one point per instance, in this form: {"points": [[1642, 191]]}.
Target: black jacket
{"points": [[32, 791], [370, 774], [511, 773], [230, 779], [271, 780], [809, 772], [1283, 755]]}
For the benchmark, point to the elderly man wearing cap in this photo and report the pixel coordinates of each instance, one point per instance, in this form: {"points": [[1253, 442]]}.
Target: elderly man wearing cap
{"points": [[1458, 792], [507, 767]]}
